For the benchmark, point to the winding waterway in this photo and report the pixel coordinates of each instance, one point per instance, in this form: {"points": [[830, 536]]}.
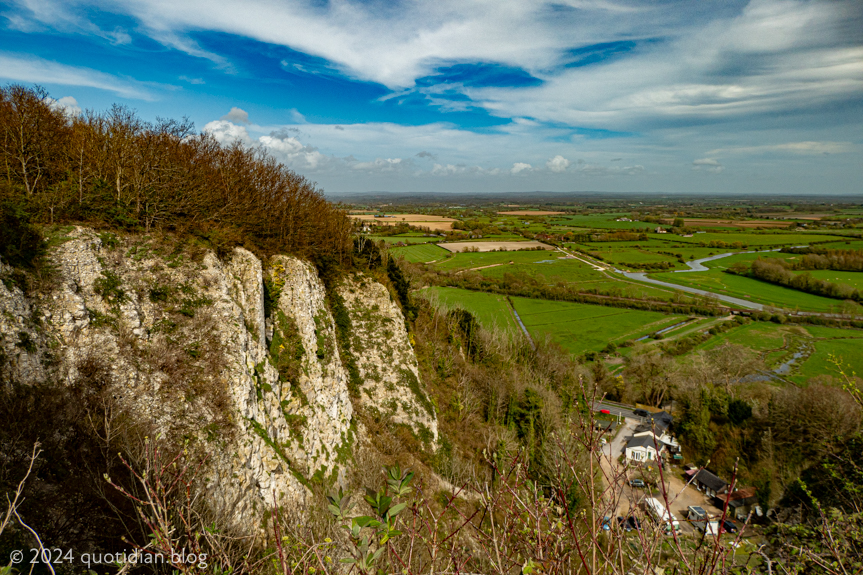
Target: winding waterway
{"points": [[698, 266]]}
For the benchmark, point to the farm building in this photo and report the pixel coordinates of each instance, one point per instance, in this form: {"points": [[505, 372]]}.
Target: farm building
{"points": [[707, 482], [740, 502]]}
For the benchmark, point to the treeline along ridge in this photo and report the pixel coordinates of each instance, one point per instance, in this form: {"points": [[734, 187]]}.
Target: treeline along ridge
{"points": [[113, 169]]}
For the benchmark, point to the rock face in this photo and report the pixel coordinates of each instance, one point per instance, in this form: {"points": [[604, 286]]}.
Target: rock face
{"points": [[242, 356], [387, 365]]}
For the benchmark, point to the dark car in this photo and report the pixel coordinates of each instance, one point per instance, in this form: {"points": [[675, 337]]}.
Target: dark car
{"points": [[640, 413], [728, 527], [624, 524], [633, 522], [636, 482]]}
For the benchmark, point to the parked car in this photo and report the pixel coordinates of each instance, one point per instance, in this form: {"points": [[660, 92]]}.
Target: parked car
{"points": [[728, 527], [633, 522], [605, 411], [606, 523], [640, 413], [636, 483], [624, 524]]}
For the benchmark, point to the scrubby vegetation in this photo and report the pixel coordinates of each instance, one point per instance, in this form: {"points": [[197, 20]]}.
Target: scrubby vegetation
{"points": [[117, 171]]}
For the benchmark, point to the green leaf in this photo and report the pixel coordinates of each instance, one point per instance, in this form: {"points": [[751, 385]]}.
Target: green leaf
{"points": [[396, 509]]}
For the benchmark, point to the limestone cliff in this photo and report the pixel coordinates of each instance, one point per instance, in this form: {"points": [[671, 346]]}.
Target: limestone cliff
{"points": [[239, 354], [386, 362]]}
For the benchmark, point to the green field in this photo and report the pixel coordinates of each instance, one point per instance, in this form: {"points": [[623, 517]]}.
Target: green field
{"points": [[467, 260], [491, 310], [727, 262], [599, 221], [747, 288], [777, 343], [549, 268], [552, 267], [844, 344], [405, 239], [843, 245], [583, 327], [420, 253], [854, 279], [758, 336], [756, 238]]}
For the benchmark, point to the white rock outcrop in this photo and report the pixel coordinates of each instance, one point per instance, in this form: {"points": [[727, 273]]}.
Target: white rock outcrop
{"points": [[242, 355], [385, 358]]}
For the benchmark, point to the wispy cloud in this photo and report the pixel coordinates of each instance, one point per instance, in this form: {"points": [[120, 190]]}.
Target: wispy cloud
{"points": [[34, 70], [806, 148], [510, 91], [708, 165]]}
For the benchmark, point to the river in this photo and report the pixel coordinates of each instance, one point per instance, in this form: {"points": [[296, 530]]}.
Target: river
{"points": [[698, 266]]}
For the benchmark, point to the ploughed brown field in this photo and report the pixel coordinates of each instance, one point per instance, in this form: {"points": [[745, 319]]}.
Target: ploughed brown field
{"points": [[530, 213], [420, 220], [494, 246], [739, 223]]}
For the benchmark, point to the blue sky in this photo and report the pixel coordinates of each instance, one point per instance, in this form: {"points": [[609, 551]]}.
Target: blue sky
{"points": [[669, 96]]}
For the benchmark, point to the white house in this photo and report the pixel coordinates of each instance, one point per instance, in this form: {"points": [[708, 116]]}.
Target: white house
{"points": [[644, 448], [664, 439]]}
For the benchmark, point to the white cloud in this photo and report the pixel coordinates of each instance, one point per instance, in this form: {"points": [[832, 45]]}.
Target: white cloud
{"points": [[292, 152], [236, 115], [462, 170], [226, 132], [557, 164], [708, 165], [806, 148], [591, 169], [381, 165], [691, 64], [67, 104], [32, 70], [520, 167]]}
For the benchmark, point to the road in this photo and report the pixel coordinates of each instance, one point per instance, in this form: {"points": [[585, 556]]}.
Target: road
{"points": [[618, 411]]}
